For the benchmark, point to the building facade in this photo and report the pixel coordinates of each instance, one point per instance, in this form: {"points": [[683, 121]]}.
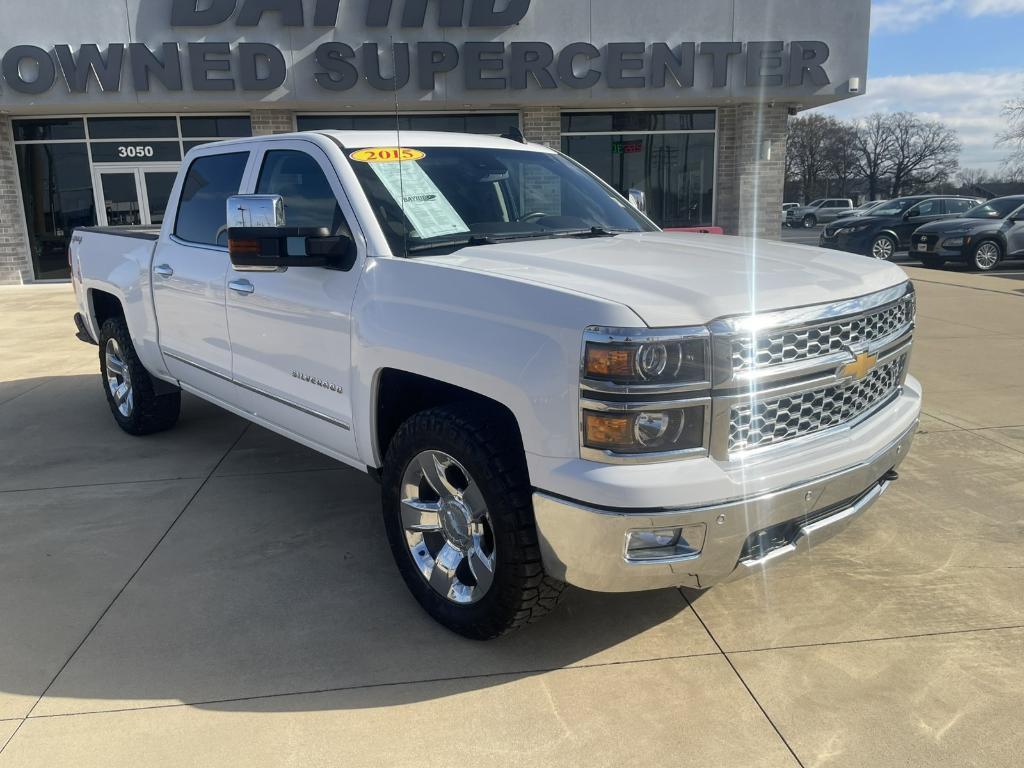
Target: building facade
{"points": [[681, 104]]}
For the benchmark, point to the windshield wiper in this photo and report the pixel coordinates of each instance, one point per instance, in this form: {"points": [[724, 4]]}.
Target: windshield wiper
{"points": [[474, 240], [594, 232]]}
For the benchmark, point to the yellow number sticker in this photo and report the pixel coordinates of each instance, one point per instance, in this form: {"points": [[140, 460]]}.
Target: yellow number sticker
{"points": [[386, 155]]}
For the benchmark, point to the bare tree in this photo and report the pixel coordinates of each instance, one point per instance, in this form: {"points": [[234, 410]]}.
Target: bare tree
{"points": [[873, 144], [841, 157], [808, 151], [1013, 137], [924, 152]]}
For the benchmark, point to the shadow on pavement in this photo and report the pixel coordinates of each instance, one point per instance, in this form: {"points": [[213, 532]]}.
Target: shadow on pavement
{"points": [[275, 580]]}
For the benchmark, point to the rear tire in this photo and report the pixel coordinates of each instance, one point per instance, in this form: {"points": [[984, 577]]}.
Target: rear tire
{"points": [[130, 390], [810, 221], [478, 454]]}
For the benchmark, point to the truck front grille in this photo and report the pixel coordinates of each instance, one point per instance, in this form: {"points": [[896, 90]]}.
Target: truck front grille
{"points": [[782, 346], [763, 422]]}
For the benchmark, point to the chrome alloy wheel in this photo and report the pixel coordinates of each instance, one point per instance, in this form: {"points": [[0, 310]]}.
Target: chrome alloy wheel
{"points": [[987, 255], [447, 527], [883, 249], [118, 381]]}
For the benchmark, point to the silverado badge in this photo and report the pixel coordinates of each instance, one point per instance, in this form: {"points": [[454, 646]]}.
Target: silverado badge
{"points": [[862, 365]]}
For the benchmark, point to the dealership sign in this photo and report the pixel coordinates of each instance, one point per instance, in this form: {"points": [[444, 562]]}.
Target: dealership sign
{"points": [[338, 66]]}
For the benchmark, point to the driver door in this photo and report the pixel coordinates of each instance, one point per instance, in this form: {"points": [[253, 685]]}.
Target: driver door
{"points": [[291, 329], [919, 215]]}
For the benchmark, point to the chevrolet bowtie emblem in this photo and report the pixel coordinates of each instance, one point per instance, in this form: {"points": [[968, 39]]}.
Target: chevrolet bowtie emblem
{"points": [[860, 367]]}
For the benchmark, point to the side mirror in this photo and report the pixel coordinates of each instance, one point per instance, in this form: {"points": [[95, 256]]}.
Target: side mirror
{"points": [[639, 199], [259, 241], [267, 249]]}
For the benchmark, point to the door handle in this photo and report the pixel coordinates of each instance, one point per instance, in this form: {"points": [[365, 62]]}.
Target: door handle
{"points": [[243, 287], [164, 270]]}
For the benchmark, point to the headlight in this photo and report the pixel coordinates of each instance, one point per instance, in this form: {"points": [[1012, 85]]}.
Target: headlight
{"points": [[645, 431], [954, 242], [644, 394], [665, 358], [853, 228]]}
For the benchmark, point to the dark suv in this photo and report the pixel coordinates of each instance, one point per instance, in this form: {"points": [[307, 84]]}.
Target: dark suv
{"points": [[888, 228], [981, 238]]}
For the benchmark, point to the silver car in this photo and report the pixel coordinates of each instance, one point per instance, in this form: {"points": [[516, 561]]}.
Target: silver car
{"points": [[820, 211]]}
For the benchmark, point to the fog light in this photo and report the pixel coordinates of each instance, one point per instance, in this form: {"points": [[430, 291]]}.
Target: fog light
{"points": [[656, 544]]}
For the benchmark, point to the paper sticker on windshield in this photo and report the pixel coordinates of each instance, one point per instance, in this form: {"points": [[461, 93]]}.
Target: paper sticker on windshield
{"points": [[386, 155], [424, 205]]}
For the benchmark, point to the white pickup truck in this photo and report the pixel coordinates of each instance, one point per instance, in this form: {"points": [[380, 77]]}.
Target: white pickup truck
{"points": [[549, 389]]}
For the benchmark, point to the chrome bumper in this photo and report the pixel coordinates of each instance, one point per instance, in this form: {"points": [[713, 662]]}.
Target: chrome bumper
{"points": [[586, 546]]}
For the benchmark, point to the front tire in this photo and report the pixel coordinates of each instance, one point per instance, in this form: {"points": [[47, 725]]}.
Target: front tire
{"points": [[810, 221], [883, 247], [458, 514], [130, 390], [987, 255]]}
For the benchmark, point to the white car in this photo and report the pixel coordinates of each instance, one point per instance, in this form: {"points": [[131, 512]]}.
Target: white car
{"points": [[549, 389]]}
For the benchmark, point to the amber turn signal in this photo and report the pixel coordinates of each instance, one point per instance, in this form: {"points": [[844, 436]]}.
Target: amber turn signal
{"points": [[609, 431], [606, 361]]}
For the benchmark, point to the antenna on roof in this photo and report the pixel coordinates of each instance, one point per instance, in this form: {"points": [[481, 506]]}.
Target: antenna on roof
{"points": [[514, 134]]}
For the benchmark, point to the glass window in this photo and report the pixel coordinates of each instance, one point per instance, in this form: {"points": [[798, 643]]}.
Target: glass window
{"points": [[133, 128], [999, 208], [485, 124], [225, 127], [50, 129], [955, 205], [614, 122], [927, 208], [56, 186], [202, 212], [135, 152], [676, 172], [309, 200]]}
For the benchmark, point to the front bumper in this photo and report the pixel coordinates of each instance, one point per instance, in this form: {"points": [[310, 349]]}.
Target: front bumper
{"points": [[586, 546], [935, 246]]}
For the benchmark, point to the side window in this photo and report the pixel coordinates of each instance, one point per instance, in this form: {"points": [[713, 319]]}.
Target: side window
{"points": [[309, 200], [202, 210], [927, 208], [958, 206]]}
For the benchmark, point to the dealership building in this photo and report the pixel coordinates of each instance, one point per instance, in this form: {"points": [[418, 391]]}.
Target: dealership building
{"points": [[684, 101]]}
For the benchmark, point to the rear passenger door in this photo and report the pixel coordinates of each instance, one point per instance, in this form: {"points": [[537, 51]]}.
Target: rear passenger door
{"points": [[291, 329], [189, 273]]}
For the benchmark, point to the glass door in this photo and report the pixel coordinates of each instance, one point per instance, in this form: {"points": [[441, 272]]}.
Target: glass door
{"points": [[133, 196]]}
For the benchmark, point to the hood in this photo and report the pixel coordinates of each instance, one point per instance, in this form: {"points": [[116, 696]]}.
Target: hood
{"points": [[684, 279], [958, 225]]}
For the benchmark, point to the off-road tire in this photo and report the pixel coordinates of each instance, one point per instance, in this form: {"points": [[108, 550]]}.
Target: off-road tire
{"points": [[151, 412], [485, 442]]}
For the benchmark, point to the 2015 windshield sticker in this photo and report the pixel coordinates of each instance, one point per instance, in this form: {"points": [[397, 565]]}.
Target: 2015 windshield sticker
{"points": [[424, 205], [386, 155]]}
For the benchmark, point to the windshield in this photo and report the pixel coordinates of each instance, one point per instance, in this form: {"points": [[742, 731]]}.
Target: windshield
{"points": [[995, 209], [895, 207], [444, 198]]}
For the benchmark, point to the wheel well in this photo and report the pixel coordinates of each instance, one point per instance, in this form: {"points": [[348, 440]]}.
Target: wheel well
{"points": [[401, 394], [105, 306]]}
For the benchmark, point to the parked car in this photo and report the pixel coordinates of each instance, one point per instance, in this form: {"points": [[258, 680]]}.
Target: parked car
{"points": [[819, 212], [549, 389], [887, 229], [786, 207], [981, 238]]}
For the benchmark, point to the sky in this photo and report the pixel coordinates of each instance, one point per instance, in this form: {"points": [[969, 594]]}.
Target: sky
{"points": [[954, 60]]}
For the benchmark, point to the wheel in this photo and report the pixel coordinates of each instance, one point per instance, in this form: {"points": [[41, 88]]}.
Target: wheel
{"points": [[810, 221], [987, 254], [933, 262], [884, 247], [130, 390], [459, 518]]}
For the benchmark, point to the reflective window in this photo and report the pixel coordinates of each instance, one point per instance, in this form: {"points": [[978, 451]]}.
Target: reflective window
{"points": [[675, 172], [202, 212], [133, 128], [927, 208], [309, 200], [49, 129], [483, 124], [121, 199], [954, 205], [135, 152], [605, 122], [56, 186], [235, 126]]}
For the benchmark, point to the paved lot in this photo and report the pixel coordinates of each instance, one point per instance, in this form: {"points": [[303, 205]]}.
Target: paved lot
{"points": [[218, 596]]}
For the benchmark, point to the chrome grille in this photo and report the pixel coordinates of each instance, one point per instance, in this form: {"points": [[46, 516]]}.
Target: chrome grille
{"points": [[769, 421], [777, 347]]}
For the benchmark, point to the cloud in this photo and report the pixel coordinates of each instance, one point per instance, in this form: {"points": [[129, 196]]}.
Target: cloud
{"points": [[970, 102], [895, 16]]}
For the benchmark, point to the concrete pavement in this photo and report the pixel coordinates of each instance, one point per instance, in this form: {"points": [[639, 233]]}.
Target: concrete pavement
{"points": [[219, 596]]}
